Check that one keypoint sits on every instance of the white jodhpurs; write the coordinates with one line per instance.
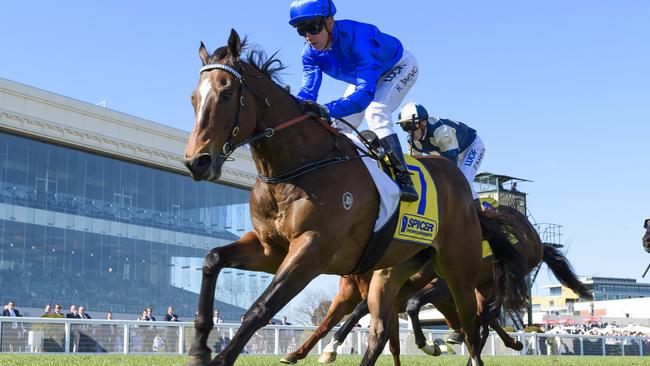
(469, 161)
(392, 88)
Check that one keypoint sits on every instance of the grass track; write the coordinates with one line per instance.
(118, 360)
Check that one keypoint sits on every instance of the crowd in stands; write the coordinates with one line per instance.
(34, 289)
(599, 329)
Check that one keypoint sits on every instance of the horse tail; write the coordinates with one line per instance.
(509, 271)
(564, 272)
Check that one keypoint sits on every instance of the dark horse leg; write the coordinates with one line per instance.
(508, 341)
(434, 292)
(347, 297)
(246, 253)
(293, 273)
(301, 265)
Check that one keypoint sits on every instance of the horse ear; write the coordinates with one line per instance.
(203, 54)
(234, 44)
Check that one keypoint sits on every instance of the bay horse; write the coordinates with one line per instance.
(302, 226)
(353, 289)
(646, 237)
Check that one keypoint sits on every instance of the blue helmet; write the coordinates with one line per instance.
(302, 10)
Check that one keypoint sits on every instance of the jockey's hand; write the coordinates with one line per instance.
(314, 109)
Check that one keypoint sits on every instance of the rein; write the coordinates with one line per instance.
(228, 147)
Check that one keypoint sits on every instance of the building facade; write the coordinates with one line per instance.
(96, 209)
(622, 298)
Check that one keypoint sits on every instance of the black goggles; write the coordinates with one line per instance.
(409, 126)
(312, 28)
(646, 224)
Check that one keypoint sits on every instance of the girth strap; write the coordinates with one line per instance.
(377, 246)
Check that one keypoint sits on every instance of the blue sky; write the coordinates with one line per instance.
(558, 90)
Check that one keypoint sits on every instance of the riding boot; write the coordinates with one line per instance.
(392, 149)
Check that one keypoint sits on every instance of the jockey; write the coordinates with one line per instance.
(454, 140)
(380, 73)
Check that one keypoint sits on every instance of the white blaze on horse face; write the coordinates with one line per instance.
(204, 89)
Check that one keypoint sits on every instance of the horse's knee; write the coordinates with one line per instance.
(203, 322)
(212, 262)
(413, 306)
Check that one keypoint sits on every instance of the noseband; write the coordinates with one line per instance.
(228, 147)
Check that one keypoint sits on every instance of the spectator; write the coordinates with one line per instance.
(144, 316)
(49, 314)
(10, 310)
(216, 319)
(150, 314)
(73, 314)
(83, 314)
(13, 334)
(284, 321)
(241, 318)
(109, 316)
(57, 311)
(170, 316)
(158, 344)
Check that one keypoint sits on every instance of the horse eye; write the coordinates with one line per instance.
(225, 96)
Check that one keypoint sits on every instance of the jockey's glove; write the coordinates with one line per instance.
(312, 108)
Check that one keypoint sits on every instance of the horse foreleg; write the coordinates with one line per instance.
(393, 343)
(434, 292)
(344, 301)
(303, 263)
(329, 353)
(505, 337)
(246, 253)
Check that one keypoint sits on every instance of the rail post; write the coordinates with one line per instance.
(66, 347)
(582, 346)
(181, 339)
(126, 339)
(493, 346)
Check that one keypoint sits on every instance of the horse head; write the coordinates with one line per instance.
(646, 237)
(222, 119)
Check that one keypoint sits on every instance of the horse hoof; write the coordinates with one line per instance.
(203, 360)
(289, 359)
(517, 346)
(327, 357)
(431, 350)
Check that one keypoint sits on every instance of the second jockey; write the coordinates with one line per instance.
(380, 73)
(454, 140)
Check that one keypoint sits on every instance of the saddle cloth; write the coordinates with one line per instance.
(417, 221)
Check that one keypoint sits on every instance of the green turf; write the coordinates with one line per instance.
(118, 360)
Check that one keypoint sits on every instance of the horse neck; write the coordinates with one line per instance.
(292, 147)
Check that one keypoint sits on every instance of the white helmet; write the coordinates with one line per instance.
(412, 112)
(410, 116)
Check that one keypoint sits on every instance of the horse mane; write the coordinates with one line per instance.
(270, 66)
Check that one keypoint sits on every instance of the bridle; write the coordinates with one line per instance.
(229, 147)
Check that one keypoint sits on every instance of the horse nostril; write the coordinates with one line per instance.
(201, 163)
